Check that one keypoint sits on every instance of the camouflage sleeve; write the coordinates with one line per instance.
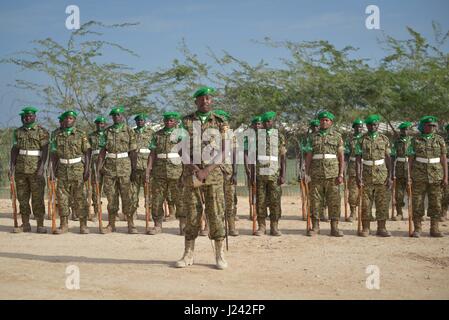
(394, 150)
(411, 149)
(44, 137)
(132, 140)
(347, 146)
(341, 145)
(53, 143)
(103, 140)
(153, 143)
(358, 147)
(307, 145)
(85, 145)
(387, 146)
(14, 138)
(443, 147)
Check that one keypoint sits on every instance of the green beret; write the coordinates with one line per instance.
(314, 123)
(140, 116)
(171, 115)
(117, 110)
(405, 125)
(447, 127)
(326, 114)
(68, 113)
(100, 119)
(203, 91)
(357, 122)
(256, 119)
(428, 119)
(223, 114)
(373, 118)
(27, 110)
(269, 115)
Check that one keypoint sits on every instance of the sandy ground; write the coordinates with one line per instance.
(122, 266)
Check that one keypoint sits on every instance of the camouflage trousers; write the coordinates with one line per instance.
(400, 192)
(174, 204)
(353, 193)
(434, 195)
(137, 185)
(214, 209)
(123, 187)
(30, 186)
(268, 195)
(72, 194)
(325, 191)
(160, 188)
(445, 202)
(379, 195)
(94, 192)
(230, 198)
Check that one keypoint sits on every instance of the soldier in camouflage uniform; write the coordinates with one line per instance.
(117, 165)
(270, 175)
(353, 191)
(165, 167)
(210, 174)
(374, 174)
(96, 139)
(428, 171)
(70, 156)
(324, 167)
(143, 138)
(445, 202)
(28, 156)
(400, 166)
(230, 181)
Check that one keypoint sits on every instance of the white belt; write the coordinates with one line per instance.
(428, 160)
(352, 159)
(324, 156)
(374, 163)
(70, 161)
(402, 159)
(144, 150)
(34, 153)
(168, 155)
(267, 158)
(117, 155)
(95, 152)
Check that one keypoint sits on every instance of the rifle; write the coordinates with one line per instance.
(303, 200)
(14, 203)
(359, 211)
(89, 197)
(53, 205)
(410, 203)
(167, 213)
(147, 205)
(98, 192)
(346, 195)
(253, 196)
(393, 198)
(306, 191)
(49, 196)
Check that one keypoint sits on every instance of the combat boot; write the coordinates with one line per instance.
(182, 226)
(434, 228)
(352, 215)
(157, 228)
(334, 229)
(315, 228)
(111, 225)
(399, 216)
(205, 231)
(40, 225)
(25, 227)
(324, 218)
(417, 228)
(187, 258)
(231, 224)
(64, 226)
(83, 226)
(365, 228)
(131, 228)
(382, 229)
(219, 255)
(74, 217)
(274, 231)
(262, 227)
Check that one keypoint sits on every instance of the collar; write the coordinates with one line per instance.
(118, 126)
(68, 131)
(203, 116)
(323, 132)
(140, 129)
(30, 126)
(373, 134)
(426, 135)
(168, 130)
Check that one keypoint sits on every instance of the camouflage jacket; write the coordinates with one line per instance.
(35, 139)
(143, 138)
(96, 140)
(269, 168)
(350, 144)
(427, 147)
(70, 146)
(399, 150)
(373, 147)
(118, 140)
(163, 142)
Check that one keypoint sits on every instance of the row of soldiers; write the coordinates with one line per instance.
(123, 159)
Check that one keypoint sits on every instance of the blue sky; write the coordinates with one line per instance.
(221, 25)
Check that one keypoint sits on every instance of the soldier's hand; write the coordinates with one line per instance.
(133, 176)
(445, 183)
(234, 180)
(359, 183)
(281, 180)
(339, 180)
(307, 178)
(40, 172)
(86, 175)
(389, 183)
(202, 174)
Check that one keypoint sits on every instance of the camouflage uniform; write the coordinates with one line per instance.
(374, 147)
(445, 202)
(353, 190)
(427, 177)
(96, 139)
(399, 152)
(325, 145)
(28, 184)
(70, 185)
(268, 191)
(143, 138)
(166, 172)
(212, 189)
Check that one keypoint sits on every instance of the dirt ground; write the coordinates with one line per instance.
(122, 266)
